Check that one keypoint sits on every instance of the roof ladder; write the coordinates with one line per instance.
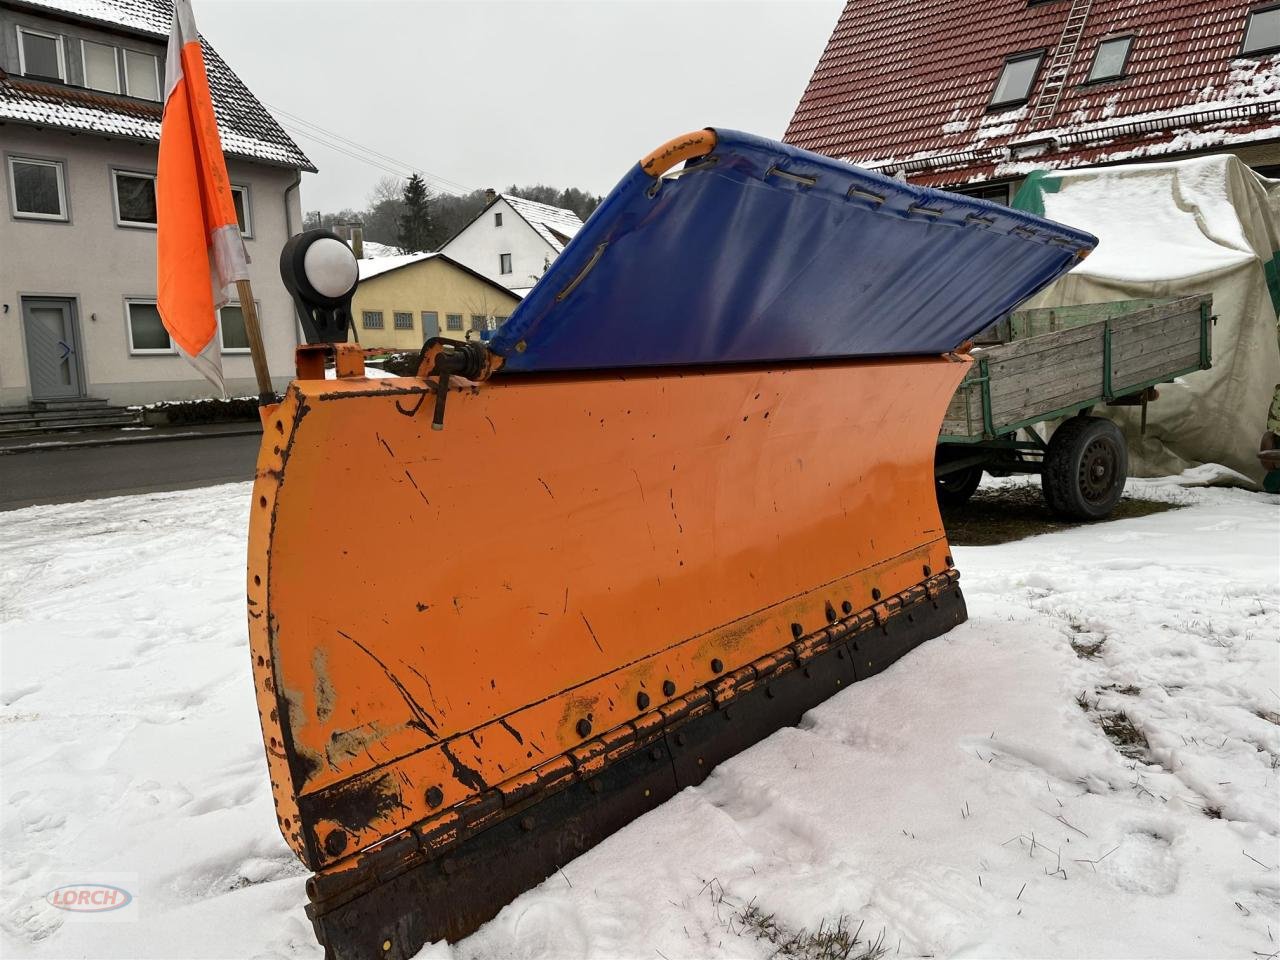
(1064, 54)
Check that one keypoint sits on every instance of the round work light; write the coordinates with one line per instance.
(330, 267)
(321, 273)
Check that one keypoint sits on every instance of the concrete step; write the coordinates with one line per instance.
(63, 425)
(69, 403)
(19, 416)
(50, 416)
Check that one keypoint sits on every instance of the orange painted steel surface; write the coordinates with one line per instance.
(564, 545)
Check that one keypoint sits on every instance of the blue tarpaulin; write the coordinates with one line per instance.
(764, 252)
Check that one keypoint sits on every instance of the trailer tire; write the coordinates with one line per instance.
(955, 489)
(1085, 468)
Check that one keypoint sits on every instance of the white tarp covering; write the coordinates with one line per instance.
(1206, 225)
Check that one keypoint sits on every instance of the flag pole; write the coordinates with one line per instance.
(253, 331)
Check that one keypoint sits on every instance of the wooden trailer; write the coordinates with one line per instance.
(1052, 363)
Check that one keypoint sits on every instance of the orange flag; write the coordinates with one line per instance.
(200, 252)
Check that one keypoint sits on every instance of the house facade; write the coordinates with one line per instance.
(512, 241)
(972, 95)
(401, 301)
(80, 108)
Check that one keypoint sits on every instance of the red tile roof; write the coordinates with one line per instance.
(910, 82)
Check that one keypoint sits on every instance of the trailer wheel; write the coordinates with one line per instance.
(957, 487)
(1084, 468)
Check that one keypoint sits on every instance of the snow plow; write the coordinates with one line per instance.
(684, 494)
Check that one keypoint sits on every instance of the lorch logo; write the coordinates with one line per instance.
(89, 897)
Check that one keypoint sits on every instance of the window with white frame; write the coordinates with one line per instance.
(146, 330)
(40, 55)
(402, 320)
(235, 338)
(478, 322)
(499, 321)
(240, 197)
(504, 263)
(453, 321)
(37, 189)
(135, 195)
(1262, 34)
(1016, 79)
(1110, 59)
(142, 75)
(371, 319)
(101, 72)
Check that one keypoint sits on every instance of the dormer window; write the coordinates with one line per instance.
(40, 55)
(141, 75)
(1016, 79)
(1262, 34)
(94, 65)
(100, 70)
(1110, 59)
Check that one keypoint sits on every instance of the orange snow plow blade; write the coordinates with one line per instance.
(494, 619)
(425, 668)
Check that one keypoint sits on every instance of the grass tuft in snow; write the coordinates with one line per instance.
(1128, 690)
(1087, 649)
(834, 941)
(1123, 733)
(1120, 730)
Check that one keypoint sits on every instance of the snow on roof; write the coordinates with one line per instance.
(246, 128)
(556, 225)
(907, 86)
(370, 268)
(373, 250)
(144, 16)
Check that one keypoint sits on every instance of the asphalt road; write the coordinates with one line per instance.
(90, 473)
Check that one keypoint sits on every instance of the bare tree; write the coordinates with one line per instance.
(384, 189)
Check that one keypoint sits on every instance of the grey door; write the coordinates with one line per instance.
(53, 359)
(430, 324)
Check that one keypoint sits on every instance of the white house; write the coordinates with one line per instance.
(513, 240)
(80, 91)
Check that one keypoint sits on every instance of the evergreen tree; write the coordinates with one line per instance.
(414, 235)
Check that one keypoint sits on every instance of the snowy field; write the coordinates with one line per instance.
(1089, 767)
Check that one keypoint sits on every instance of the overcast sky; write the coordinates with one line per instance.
(484, 94)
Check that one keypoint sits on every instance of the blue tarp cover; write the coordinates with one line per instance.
(763, 252)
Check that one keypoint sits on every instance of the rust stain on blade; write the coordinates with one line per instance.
(358, 804)
(323, 686)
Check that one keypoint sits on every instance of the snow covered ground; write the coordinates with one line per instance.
(1088, 767)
